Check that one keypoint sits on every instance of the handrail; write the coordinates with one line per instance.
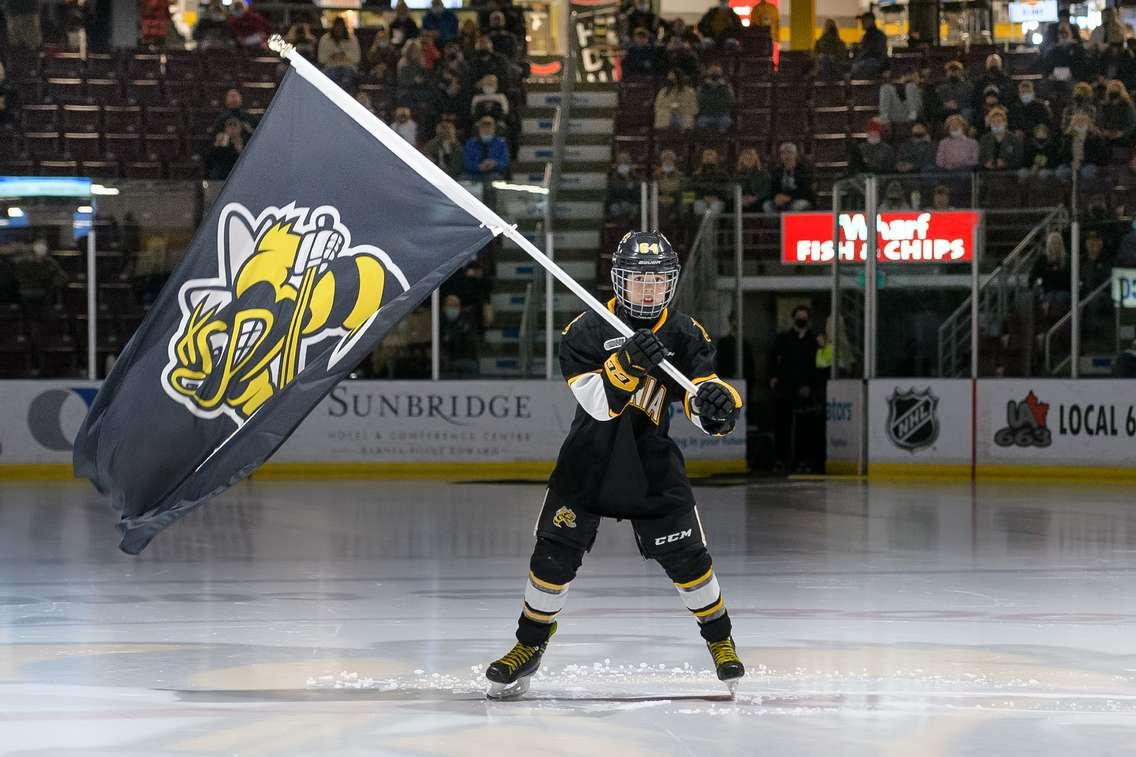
(523, 337)
(692, 257)
(1052, 370)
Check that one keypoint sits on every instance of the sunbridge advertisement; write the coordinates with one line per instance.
(902, 237)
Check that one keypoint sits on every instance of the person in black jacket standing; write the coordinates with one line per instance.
(619, 461)
(793, 375)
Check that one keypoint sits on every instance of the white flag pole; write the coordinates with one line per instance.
(408, 154)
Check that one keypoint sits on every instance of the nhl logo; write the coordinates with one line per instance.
(912, 421)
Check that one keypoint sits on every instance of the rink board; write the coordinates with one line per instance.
(445, 429)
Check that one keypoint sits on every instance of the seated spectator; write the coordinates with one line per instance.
(873, 155)
(676, 104)
(451, 101)
(8, 104)
(212, 30)
(467, 37)
(1116, 118)
(486, 154)
(715, 101)
(1042, 153)
(1117, 62)
(755, 181)
(1027, 112)
(990, 101)
(623, 188)
(1082, 103)
(233, 111)
(339, 55)
(413, 88)
(1110, 32)
(487, 61)
(1095, 268)
(430, 51)
(488, 101)
(956, 93)
(445, 151)
(404, 125)
(1052, 277)
(442, 21)
(453, 61)
(40, 277)
(671, 182)
(900, 103)
(641, 57)
(710, 183)
(459, 339)
(679, 56)
(931, 105)
(640, 16)
(720, 26)
(792, 187)
(995, 77)
(917, 153)
(999, 149)
(1084, 150)
(383, 58)
(941, 197)
(403, 27)
(225, 151)
(249, 28)
(894, 198)
(504, 42)
(1066, 60)
(871, 57)
(957, 151)
(831, 53)
(302, 36)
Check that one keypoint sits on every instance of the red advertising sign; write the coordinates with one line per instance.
(945, 236)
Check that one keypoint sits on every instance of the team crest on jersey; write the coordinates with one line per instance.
(564, 517)
(288, 279)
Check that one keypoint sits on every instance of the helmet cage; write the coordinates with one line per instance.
(622, 278)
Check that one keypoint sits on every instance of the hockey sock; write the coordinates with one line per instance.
(552, 568)
(703, 597)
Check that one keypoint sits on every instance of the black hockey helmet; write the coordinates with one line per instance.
(645, 257)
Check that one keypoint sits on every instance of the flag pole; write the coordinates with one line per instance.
(452, 189)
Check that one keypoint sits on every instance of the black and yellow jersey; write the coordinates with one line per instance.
(619, 459)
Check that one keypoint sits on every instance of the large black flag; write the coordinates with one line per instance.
(323, 238)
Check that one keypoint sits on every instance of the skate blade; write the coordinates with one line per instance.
(506, 691)
(732, 686)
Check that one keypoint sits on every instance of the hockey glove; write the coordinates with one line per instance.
(715, 408)
(641, 353)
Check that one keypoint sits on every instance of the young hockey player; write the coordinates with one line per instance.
(619, 461)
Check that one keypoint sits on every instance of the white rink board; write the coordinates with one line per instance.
(1088, 423)
(367, 422)
(844, 426)
(949, 444)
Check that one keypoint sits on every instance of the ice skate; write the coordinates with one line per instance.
(509, 676)
(727, 663)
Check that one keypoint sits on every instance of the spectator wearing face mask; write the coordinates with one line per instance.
(1027, 111)
(504, 41)
(442, 21)
(488, 101)
(248, 27)
(671, 181)
(1082, 103)
(459, 339)
(710, 183)
(1083, 150)
(957, 151)
(831, 53)
(871, 58)
(720, 26)
(451, 101)
(995, 77)
(900, 103)
(676, 104)
(917, 153)
(999, 149)
(1041, 154)
(623, 192)
(1065, 61)
(40, 277)
(894, 198)
(404, 125)
(640, 16)
(792, 186)
(641, 56)
(339, 55)
(486, 61)
(956, 93)
(486, 155)
(941, 197)
(715, 101)
(225, 151)
(793, 378)
(383, 58)
(873, 155)
(1116, 118)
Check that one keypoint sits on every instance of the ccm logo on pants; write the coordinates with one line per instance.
(673, 537)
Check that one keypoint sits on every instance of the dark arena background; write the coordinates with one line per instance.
(907, 229)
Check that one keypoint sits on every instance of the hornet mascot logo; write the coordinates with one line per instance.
(288, 280)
